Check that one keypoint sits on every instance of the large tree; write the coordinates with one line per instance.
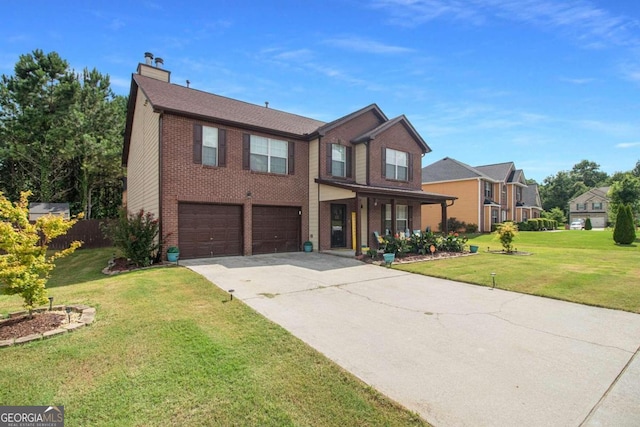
(589, 174)
(61, 135)
(625, 191)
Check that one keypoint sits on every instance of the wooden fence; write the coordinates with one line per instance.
(86, 230)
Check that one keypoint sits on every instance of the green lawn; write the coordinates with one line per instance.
(168, 348)
(574, 265)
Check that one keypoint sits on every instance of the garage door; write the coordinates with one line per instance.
(209, 230)
(275, 229)
(597, 222)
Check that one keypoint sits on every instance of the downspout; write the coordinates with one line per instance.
(160, 185)
(480, 205)
(319, 222)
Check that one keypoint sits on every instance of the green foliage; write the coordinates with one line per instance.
(61, 135)
(452, 242)
(555, 214)
(624, 232)
(454, 225)
(173, 250)
(25, 266)
(506, 233)
(471, 228)
(624, 191)
(587, 224)
(136, 235)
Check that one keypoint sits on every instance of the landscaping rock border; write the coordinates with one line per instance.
(86, 316)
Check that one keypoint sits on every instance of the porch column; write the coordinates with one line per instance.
(445, 228)
(358, 226)
(393, 217)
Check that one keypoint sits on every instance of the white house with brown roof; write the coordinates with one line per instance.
(226, 177)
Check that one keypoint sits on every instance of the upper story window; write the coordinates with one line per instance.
(518, 194)
(488, 190)
(581, 206)
(339, 160)
(262, 154)
(209, 145)
(596, 206)
(396, 165)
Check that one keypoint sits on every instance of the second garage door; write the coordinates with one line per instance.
(275, 229)
(206, 230)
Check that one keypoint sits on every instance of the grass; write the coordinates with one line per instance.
(168, 348)
(581, 266)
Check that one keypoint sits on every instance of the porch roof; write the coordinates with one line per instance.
(371, 191)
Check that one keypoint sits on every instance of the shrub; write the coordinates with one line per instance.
(136, 235)
(624, 232)
(453, 225)
(24, 265)
(471, 228)
(587, 224)
(506, 233)
(452, 242)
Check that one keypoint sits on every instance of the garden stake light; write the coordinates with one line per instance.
(493, 279)
(68, 310)
(50, 303)
(231, 291)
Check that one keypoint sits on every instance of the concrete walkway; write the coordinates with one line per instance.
(457, 354)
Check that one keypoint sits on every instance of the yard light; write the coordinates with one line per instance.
(231, 291)
(493, 280)
(68, 310)
(50, 303)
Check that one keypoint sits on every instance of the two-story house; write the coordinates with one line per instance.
(226, 177)
(486, 195)
(593, 204)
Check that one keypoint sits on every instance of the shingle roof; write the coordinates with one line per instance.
(499, 171)
(179, 99)
(530, 195)
(372, 107)
(449, 169)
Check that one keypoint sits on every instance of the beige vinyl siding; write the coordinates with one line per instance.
(314, 196)
(153, 72)
(142, 167)
(361, 164)
(332, 193)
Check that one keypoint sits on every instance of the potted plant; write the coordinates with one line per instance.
(173, 253)
(308, 246)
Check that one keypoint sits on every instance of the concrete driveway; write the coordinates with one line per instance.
(457, 354)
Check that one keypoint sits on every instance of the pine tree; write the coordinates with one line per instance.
(587, 224)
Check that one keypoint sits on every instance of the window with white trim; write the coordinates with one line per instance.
(488, 190)
(596, 206)
(338, 160)
(268, 155)
(209, 146)
(402, 219)
(581, 206)
(397, 165)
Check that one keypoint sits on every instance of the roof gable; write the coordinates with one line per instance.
(499, 171)
(398, 121)
(322, 130)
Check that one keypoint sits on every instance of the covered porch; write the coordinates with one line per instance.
(350, 213)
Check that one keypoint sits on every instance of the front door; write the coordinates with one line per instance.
(338, 226)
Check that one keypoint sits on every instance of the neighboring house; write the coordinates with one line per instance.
(592, 204)
(36, 210)
(226, 177)
(485, 194)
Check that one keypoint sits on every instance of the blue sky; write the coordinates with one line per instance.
(542, 83)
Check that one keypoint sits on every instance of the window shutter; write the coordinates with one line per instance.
(329, 158)
(197, 143)
(410, 219)
(410, 161)
(349, 161)
(383, 207)
(292, 157)
(384, 162)
(246, 151)
(222, 147)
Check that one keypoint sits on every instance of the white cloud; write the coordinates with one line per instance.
(365, 45)
(628, 145)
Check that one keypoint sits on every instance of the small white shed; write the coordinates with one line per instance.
(36, 210)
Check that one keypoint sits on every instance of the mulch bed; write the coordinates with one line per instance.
(416, 258)
(22, 326)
